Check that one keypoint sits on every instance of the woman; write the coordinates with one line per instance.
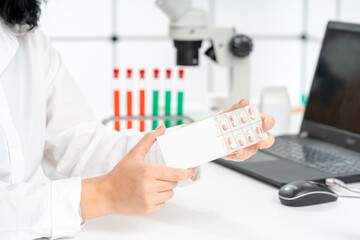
(45, 121)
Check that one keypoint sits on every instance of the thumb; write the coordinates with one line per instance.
(145, 143)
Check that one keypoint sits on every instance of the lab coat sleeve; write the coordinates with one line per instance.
(37, 210)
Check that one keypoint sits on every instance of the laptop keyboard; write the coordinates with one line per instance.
(316, 157)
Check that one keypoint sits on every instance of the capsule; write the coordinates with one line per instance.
(233, 120)
(252, 113)
(259, 132)
(231, 143)
(241, 139)
(224, 125)
(242, 117)
(250, 136)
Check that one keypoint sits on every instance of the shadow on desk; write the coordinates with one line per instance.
(182, 218)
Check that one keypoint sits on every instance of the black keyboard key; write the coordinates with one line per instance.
(325, 160)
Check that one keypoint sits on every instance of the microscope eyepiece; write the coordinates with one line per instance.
(187, 52)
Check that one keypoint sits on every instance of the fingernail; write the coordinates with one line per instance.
(160, 126)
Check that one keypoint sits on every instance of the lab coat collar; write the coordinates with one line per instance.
(8, 45)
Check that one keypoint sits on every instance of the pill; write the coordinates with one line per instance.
(259, 132)
(231, 143)
(252, 113)
(250, 136)
(233, 120)
(241, 139)
(242, 117)
(224, 125)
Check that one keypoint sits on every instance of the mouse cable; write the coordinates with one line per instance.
(337, 182)
(348, 196)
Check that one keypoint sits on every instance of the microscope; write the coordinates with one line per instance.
(188, 28)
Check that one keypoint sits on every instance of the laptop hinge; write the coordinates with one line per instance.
(304, 134)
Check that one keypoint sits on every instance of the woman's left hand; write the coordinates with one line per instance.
(245, 153)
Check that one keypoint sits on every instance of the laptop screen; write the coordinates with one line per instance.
(334, 98)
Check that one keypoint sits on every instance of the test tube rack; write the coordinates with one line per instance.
(168, 113)
(164, 118)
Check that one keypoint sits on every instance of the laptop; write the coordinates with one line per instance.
(328, 144)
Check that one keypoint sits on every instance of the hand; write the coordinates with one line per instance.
(132, 187)
(245, 153)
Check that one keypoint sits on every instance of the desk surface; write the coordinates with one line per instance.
(225, 204)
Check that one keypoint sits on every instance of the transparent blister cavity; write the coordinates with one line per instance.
(243, 117)
(223, 123)
(259, 131)
(231, 142)
(233, 119)
(253, 113)
(240, 138)
(249, 135)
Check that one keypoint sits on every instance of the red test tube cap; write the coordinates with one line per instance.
(156, 73)
(128, 73)
(116, 73)
(181, 73)
(142, 73)
(168, 73)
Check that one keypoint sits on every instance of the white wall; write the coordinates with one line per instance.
(81, 29)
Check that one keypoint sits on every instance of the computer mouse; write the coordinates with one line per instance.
(305, 193)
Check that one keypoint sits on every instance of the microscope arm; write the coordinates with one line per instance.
(190, 25)
(221, 38)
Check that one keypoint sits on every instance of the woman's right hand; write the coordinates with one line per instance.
(132, 187)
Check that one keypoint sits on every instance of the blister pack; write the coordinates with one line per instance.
(212, 138)
(240, 128)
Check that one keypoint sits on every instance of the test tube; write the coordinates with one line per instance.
(167, 86)
(155, 110)
(116, 99)
(180, 96)
(142, 98)
(129, 87)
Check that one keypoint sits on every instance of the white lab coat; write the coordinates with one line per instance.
(45, 121)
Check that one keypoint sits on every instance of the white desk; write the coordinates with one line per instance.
(225, 204)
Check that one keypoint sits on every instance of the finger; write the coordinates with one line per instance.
(159, 207)
(164, 196)
(161, 186)
(268, 121)
(242, 103)
(172, 174)
(154, 186)
(242, 154)
(268, 142)
(145, 143)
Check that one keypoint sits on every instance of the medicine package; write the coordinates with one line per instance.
(212, 138)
